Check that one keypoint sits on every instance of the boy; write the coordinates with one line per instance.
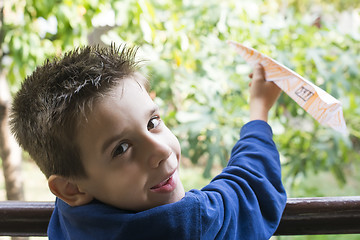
(89, 123)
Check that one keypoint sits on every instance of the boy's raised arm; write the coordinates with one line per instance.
(263, 94)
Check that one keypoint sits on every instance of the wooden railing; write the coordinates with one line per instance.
(302, 216)
(317, 216)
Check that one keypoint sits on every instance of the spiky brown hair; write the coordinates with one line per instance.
(53, 99)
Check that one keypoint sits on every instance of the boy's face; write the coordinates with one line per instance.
(130, 156)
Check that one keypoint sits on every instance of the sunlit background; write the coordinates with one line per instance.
(200, 83)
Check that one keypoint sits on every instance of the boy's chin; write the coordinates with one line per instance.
(180, 193)
(177, 195)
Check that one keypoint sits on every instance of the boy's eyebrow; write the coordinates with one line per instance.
(110, 140)
(154, 110)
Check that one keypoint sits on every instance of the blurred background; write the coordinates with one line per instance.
(200, 83)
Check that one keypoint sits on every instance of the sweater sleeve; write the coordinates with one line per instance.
(247, 199)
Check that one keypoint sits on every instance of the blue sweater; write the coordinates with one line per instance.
(245, 201)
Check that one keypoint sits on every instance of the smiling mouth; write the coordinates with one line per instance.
(163, 183)
(168, 185)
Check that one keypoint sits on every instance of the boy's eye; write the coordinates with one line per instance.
(153, 123)
(120, 149)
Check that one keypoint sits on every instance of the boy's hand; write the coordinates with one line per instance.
(263, 94)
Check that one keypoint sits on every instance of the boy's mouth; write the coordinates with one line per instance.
(168, 185)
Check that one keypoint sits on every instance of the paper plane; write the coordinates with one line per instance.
(326, 109)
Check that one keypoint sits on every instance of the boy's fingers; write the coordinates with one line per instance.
(259, 72)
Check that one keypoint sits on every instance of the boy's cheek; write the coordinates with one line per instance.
(174, 141)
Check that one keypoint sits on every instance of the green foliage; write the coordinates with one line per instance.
(200, 83)
(35, 30)
(321, 237)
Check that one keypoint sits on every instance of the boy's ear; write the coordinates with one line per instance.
(68, 191)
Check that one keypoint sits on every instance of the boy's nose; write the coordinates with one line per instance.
(156, 151)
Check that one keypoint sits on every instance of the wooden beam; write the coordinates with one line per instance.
(302, 216)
